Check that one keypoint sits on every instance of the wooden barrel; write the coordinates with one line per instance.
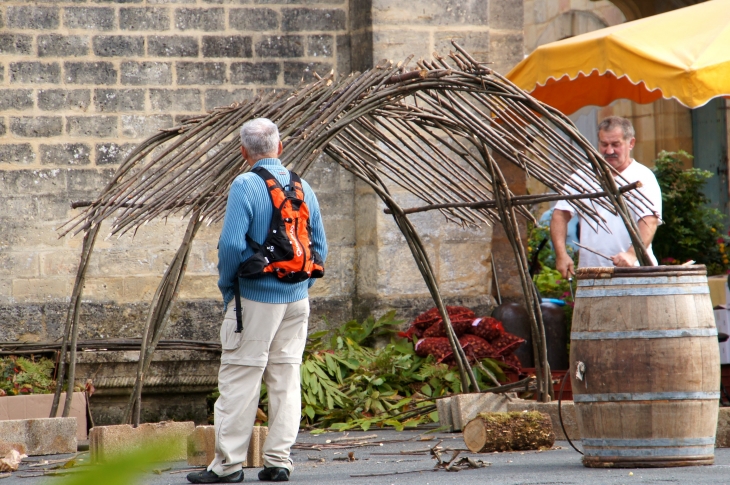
(647, 340)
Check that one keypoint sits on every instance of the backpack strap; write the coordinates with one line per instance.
(239, 308)
(271, 184)
(296, 183)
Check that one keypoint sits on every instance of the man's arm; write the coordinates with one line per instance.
(232, 242)
(558, 231)
(647, 229)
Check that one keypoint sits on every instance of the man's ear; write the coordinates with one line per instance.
(280, 148)
(632, 142)
(244, 153)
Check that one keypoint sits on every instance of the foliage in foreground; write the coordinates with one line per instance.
(19, 375)
(125, 468)
(691, 229)
(362, 375)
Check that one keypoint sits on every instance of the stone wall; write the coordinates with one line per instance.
(81, 82)
(549, 20)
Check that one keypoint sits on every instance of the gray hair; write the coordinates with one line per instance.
(260, 137)
(613, 122)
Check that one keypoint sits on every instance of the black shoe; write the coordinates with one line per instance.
(209, 477)
(274, 474)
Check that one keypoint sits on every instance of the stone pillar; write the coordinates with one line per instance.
(503, 256)
(387, 276)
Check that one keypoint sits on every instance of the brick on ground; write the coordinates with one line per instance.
(465, 407)
(107, 441)
(722, 440)
(443, 407)
(201, 446)
(43, 436)
(551, 409)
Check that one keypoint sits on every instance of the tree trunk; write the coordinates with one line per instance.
(509, 432)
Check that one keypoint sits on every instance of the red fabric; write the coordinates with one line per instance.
(488, 328)
(427, 319)
(512, 361)
(480, 338)
(477, 348)
(507, 343)
(439, 347)
(411, 332)
(460, 324)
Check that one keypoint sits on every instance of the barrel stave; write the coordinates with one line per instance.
(645, 365)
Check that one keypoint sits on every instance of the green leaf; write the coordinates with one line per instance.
(394, 423)
(426, 390)
(331, 364)
(402, 402)
(309, 411)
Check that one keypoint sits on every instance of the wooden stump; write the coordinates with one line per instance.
(509, 432)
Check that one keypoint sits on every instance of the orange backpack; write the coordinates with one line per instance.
(287, 251)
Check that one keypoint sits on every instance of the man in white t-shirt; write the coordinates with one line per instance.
(615, 141)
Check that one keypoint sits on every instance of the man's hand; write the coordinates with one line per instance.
(647, 229)
(564, 264)
(625, 259)
(558, 231)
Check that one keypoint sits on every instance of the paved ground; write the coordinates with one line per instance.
(561, 465)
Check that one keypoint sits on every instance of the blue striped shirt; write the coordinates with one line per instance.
(249, 211)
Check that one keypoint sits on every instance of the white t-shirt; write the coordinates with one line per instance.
(618, 240)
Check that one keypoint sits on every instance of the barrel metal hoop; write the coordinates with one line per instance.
(658, 280)
(638, 452)
(645, 334)
(592, 292)
(650, 442)
(646, 396)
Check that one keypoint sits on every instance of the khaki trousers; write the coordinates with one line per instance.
(270, 346)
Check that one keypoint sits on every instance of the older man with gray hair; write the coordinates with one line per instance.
(267, 337)
(616, 139)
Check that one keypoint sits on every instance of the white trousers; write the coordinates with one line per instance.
(270, 346)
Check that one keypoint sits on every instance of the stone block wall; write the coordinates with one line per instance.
(492, 31)
(83, 81)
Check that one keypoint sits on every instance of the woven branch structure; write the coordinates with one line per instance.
(440, 129)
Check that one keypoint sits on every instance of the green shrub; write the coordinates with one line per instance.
(19, 375)
(691, 229)
(349, 383)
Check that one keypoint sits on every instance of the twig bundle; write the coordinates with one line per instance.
(434, 130)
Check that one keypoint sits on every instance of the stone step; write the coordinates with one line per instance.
(201, 447)
(459, 409)
(42, 436)
(108, 441)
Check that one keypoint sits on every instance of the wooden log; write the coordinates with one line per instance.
(509, 432)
